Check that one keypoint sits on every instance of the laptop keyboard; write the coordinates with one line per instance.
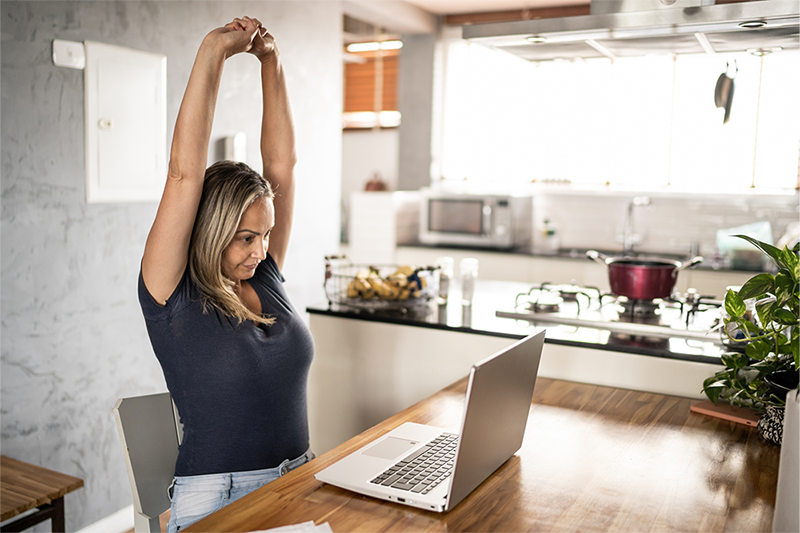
(423, 470)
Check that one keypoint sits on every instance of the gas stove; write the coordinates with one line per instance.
(648, 323)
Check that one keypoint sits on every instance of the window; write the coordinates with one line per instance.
(370, 89)
(645, 123)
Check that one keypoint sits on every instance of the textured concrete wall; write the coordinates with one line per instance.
(73, 339)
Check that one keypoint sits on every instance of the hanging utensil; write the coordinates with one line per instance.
(723, 93)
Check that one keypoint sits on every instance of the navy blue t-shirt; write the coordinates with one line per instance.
(240, 388)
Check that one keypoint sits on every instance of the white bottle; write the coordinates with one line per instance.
(445, 271)
(469, 272)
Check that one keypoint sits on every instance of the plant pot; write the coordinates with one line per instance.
(782, 381)
(770, 425)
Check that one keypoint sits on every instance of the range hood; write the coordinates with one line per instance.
(628, 28)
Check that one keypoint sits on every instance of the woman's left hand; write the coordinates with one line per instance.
(263, 43)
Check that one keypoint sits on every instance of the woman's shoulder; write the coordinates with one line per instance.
(268, 270)
(184, 293)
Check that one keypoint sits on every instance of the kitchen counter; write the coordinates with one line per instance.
(592, 459)
(480, 319)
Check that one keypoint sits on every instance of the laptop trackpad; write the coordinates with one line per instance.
(390, 448)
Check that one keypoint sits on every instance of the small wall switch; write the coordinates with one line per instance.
(236, 147)
(68, 54)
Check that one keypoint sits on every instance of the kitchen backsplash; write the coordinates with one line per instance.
(670, 224)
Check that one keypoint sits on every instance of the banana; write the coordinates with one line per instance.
(365, 290)
(405, 270)
(352, 289)
(403, 284)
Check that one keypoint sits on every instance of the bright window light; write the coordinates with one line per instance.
(369, 119)
(647, 123)
(374, 46)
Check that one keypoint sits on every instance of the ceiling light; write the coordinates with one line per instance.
(536, 39)
(374, 46)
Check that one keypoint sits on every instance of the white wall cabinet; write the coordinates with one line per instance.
(125, 124)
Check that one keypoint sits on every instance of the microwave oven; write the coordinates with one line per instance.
(475, 220)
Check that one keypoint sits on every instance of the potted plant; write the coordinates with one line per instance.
(760, 324)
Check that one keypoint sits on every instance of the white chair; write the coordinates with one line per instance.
(787, 500)
(150, 432)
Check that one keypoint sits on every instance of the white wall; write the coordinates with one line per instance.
(363, 154)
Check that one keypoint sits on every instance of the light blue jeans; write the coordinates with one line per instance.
(195, 497)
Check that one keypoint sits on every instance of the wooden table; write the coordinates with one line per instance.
(25, 486)
(593, 459)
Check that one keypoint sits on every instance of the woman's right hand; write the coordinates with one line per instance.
(235, 37)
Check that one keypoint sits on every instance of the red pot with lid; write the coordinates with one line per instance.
(642, 279)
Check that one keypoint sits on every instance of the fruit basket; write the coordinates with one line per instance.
(377, 287)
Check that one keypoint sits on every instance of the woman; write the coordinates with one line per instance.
(235, 354)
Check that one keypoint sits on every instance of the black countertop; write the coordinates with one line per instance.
(480, 319)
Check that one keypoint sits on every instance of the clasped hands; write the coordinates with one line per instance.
(244, 35)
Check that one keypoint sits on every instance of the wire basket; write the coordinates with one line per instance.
(377, 287)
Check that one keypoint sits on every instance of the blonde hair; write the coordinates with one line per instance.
(228, 190)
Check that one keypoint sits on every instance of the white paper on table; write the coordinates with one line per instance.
(305, 527)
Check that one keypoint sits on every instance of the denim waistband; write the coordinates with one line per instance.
(230, 481)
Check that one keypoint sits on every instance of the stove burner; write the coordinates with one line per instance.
(641, 311)
(546, 303)
(547, 297)
(644, 323)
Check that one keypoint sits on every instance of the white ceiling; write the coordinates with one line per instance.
(419, 16)
(451, 7)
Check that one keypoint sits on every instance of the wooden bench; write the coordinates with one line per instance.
(25, 486)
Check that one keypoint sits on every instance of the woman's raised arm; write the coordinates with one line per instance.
(167, 249)
(277, 142)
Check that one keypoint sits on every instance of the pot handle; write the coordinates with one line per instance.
(594, 255)
(696, 260)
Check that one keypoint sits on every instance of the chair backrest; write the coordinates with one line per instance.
(787, 500)
(150, 432)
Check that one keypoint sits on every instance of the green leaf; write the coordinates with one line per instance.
(785, 317)
(734, 305)
(758, 350)
(734, 360)
(785, 287)
(757, 286)
(713, 392)
(750, 327)
(789, 261)
(796, 347)
(765, 312)
(785, 349)
(768, 249)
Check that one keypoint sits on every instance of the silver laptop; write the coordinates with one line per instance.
(429, 468)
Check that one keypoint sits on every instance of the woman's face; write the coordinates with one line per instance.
(251, 241)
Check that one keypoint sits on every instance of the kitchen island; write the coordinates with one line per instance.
(593, 459)
(371, 365)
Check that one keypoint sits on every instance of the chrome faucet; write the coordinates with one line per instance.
(629, 238)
